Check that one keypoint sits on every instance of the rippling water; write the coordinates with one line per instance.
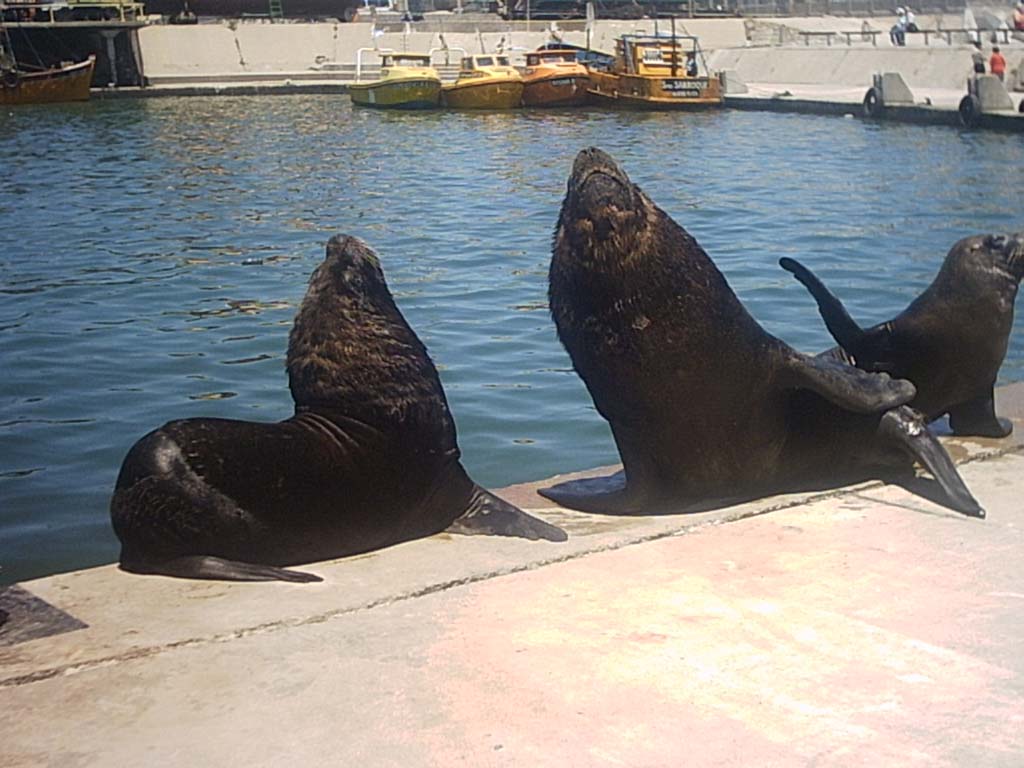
(153, 252)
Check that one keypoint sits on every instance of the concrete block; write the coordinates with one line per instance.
(892, 89)
(732, 82)
(992, 94)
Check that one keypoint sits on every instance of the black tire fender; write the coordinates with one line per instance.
(10, 79)
(969, 110)
(873, 106)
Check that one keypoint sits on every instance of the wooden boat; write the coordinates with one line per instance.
(407, 81)
(655, 72)
(486, 81)
(67, 82)
(554, 78)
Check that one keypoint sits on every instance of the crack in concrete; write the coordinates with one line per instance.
(443, 586)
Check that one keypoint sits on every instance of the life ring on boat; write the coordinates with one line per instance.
(873, 106)
(969, 110)
(10, 79)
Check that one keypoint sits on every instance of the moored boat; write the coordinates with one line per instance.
(486, 81)
(66, 82)
(407, 81)
(554, 78)
(655, 72)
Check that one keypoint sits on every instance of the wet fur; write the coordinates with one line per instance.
(701, 400)
(369, 459)
(951, 340)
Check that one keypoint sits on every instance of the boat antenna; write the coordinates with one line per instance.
(675, 49)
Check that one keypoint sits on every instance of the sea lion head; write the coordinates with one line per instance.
(985, 260)
(349, 341)
(604, 215)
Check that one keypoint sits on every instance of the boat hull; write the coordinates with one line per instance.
(417, 93)
(646, 92)
(555, 91)
(49, 86)
(505, 94)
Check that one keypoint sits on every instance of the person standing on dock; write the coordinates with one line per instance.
(1018, 17)
(978, 58)
(997, 63)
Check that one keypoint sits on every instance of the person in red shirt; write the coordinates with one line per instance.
(996, 63)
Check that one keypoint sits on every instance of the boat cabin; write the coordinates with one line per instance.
(539, 58)
(657, 56)
(484, 61)
(418, 60)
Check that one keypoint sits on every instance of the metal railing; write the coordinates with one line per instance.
(70, 10)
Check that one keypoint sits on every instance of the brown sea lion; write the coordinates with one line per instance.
(952, 338)
(702, 402)
(369, 459)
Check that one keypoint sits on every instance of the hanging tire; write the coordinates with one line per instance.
(970, 111)
(1020, 107)
(10, 79)
(873, 106)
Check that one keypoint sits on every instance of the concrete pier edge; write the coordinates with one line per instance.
(96, 625)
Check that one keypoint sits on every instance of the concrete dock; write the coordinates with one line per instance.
(865, 625)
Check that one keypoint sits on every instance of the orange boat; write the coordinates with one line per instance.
(554, 78)
(68, 82)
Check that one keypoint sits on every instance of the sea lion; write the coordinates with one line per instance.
(702, 402)
(369, 459)
(952, 338)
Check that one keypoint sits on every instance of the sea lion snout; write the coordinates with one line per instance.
(600, 196)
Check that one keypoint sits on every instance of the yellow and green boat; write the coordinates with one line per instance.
(407, 81)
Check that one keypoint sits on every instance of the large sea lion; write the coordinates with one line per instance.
(702, 402)
(952, 338)
(369, 458)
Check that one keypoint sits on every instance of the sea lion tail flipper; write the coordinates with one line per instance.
(848, 387)
(843, 328)
(609, 495)
(906, 428)
(217, 568)
(488, 515)
(978, 417)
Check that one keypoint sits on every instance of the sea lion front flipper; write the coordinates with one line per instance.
(978, 417)
(842, 384)
(488, 515)
(905, 429)
(608, 495)
(217, 568)
(843, 328)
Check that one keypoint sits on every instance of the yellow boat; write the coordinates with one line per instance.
(407, 81)
(654, 72)
(486, 81)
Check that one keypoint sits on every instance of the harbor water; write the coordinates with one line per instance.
(153, 254)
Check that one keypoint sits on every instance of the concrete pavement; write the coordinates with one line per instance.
(858, 626)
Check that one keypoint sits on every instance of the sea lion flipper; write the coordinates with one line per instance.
(844, 385)
(488, 515)
(905, 428)
(217, 568)
(608, 495)
(844, 329)
(978, 417)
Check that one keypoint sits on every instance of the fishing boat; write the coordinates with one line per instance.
(554, 78)
(656, 72)
(486, 81)
(407, 81)
(25, 84)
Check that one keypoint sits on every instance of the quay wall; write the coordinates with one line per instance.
(946, 67)
(254, 50)
(237, 48)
